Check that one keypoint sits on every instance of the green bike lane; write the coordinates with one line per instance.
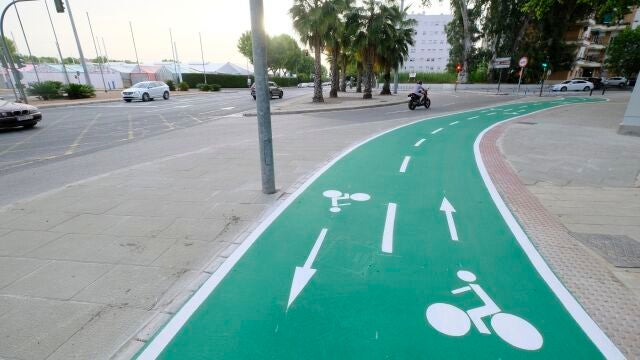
(397, 250)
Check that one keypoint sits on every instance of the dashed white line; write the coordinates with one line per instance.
(228, 108)
(419, 142)
(508, 109)
(455, 122)
(405, 163)
(75, 144)
(493, 113)
(473, 117)
(387, 235)
(436, 131)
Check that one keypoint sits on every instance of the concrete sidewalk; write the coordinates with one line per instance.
(93, 270)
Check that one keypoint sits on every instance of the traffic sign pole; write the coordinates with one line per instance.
(523, 63)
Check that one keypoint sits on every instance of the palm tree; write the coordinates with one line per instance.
(312, 19)
(394, 44)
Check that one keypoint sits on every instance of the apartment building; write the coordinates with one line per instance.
(431, 50)
(592, 39)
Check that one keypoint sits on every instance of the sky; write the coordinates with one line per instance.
(220, 22)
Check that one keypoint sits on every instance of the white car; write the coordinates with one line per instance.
(620, 81)
(573, 85)
(146, 90)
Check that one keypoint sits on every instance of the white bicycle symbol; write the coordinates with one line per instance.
(336, 195)
(453, 321)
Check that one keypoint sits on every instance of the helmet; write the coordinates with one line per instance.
(420, 82)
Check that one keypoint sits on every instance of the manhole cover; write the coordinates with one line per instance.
(620, 250)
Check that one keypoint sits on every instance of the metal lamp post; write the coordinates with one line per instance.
(16, 73)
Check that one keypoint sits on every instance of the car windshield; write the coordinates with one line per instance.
(566, 82)
(141, 85)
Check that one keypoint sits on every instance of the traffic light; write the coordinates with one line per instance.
(458, 68)
(59, 5)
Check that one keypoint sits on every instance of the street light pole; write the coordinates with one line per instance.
(173, 53)
(27, 43)
(75, 33)
(204, 71)
(104, 84)
(134, 45)
(175, 46)
(395, 74)
(16, 73)
(55, 36)
(262, 97)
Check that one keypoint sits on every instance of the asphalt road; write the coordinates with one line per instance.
(76, 143)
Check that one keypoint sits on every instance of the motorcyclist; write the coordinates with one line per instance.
(420, 91)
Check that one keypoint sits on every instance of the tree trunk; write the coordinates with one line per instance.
(368, 75)
(335, 74)
(521, 32)
(359, 81)
(386, 88)
(317, 76)
(466, 38)
(343, 65)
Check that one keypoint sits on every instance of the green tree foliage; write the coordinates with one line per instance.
(394, 44)
(283, 52)
(623, 53)
(71, 60)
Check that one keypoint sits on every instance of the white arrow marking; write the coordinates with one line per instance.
(405, 163)
(387, 235)
(449, 210)
(303, 274)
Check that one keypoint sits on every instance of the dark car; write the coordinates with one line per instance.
(597, 82)
(632, 82)
(274, 90)
(16, 115)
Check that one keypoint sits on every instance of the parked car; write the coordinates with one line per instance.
(597, 82)
(573, 85)
(146, 90)
(620, 81)
(274, 90)
(326, 83)
(18, 115)
(305, 85)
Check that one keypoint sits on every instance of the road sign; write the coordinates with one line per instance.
(523, 61)
(366, 261)
(502, 63)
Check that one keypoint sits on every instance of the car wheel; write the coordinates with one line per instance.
(165, 95)
(280, 96)
(621, 85)
(564, 88)
(145, 97)
(30, 126)
(586, 88)
(127, 100)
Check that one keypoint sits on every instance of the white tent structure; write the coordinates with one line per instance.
(55, 72)
(227, 68)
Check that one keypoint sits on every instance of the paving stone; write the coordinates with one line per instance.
(131, 286)
(103, 335)
(39, 327)
(88, 224)
(160, 208)
(20, 242)
(620, 250)
(57, 280)
(104, 249)
(140, 226)
(95, 206)
(195, 229)
(35, 220)
(12, 269)
(189, 254)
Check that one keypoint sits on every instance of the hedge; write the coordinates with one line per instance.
(233, 81)
(430, 78)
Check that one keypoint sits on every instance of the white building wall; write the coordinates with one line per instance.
(431, 50)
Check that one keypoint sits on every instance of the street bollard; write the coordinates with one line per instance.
(591, 92)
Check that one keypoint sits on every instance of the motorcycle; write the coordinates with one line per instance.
(416, 100)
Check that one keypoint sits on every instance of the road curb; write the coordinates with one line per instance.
(101, 101)
(305, 111)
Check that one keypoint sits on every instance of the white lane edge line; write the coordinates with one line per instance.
(171, 328)
(405, 163)
(593, 331)
(419, 142)
(389, 224)
(436, 131)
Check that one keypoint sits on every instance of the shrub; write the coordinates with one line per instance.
(215, 87)
(225, 81)
(79, 91)
(183, 86)
(171, 85)
(45, 90)
(204, 87)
